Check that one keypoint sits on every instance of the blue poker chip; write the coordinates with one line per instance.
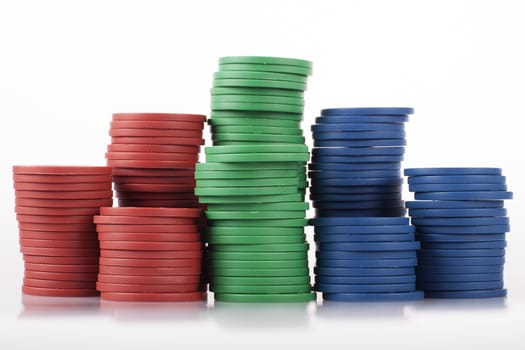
(457, 286)
(368, 111)
(464, 245)
(473, 294)
(367, 263)
(356, 197)
(359, 143)
(359, 135)
(372, 246)
(358, 151)
(356, 189)
(364, 229)
(361, 118)
(471, 221)
(465, 195)
(457, 238)
(465, 277)
(493, 260)
(456, 187)
(357, 127)
(359, 204)
(354, 166)
(453, 204)
(365, 288)
(354, 174)
(451, 171)
(461, 230)
(365, 279)
(359, 221)
(461, 253)
(331, 255)
(457, 212)
(448, 269)
(373, 181)
(458, 179)
(374, 297)
(356, 159)
(356, 238)
(386, 212)
(364, 272)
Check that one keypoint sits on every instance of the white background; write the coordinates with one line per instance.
(65, 66)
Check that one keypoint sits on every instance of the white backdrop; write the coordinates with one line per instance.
(65, 66)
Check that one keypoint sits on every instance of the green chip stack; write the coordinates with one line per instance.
(254, 181)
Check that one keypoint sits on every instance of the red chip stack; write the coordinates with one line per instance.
(150, 254)
(153, 156)
(54, 209)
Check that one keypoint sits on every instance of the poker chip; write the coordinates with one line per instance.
(340, 255)
(366, 263)
(451, 171)
(454, 278)
(59, 292)
(253, 230)
(368, 111)
(374, 297)
(464, 229)
(194, 269)
(461, 238)
(364, 280)
(360, 143)
(60, 276)
(456, 187)
(470, 221)
(431, 204)
(281, 289)
(457, 179)
(363, 272)
(460, 286)
(256, 264)
(363, 238)
(458, 212)
(465, 195)
(464, 245)
(365, 288)
(352, 229)
(333, 127)
(252, 239)
(145, 288)
(460, 253)
(154, 297)
(265, 298)
(488, 293)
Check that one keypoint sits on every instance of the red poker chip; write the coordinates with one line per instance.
(173, 246)
(43, 243)
(155, 140)
(150, 237)
(59, 292)
(162, 188)
(142, 220)
(146, 288)
(183, 117)
(64, 194)
(56, 211)
(168, 180)
(61, 276)
(64, 203)
(63, 269)
(187, 228)
(151, 280)
(72, 252)
(192, 133)
(150, 262)
(144, 148)
(61, 179)
(154, 297)
(154, 212)
(150, 164)
(74, 261)
(59, 187)
(150, 271)
(58, 236)
(156, 195)
(155, 172)
(60, 170)
(180, 157)
(162, 125)
(27, 226)
(150, 254)
(175, 203)
(54, 219)
(38, 283)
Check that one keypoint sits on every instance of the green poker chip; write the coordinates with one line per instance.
(266, 60)
(261, 223)
(217, 91)
(257, 130)
(248, 272)
(260, 83)
(257, 99)
(291, 247)
(265, 298)
(254, 215)
(267, 138)
(272, 148)
(254, 231)
(295, 197)
(259, 281)
(223, 239)
(248, 166)
(245, 174)
(258, 157)
(290, 206)
(290, 288)
(258, 264)
(258, 256)
(259, 122)
(256, 115)
(240, 191)
(286, 181)
(257, 106)
(260, 76)
(277, 68)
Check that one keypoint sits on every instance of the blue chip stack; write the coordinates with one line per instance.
(356, 162)
(366, 259)
(461, 224)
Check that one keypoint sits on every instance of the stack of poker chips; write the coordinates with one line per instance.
(253, 181)
(356, 162)
(461, 224)
(150, 254)
(153, 156)
(366, 259)
(54, 208)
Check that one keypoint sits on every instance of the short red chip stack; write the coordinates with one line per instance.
(150, 254)
(153, 156)
(54, 208)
